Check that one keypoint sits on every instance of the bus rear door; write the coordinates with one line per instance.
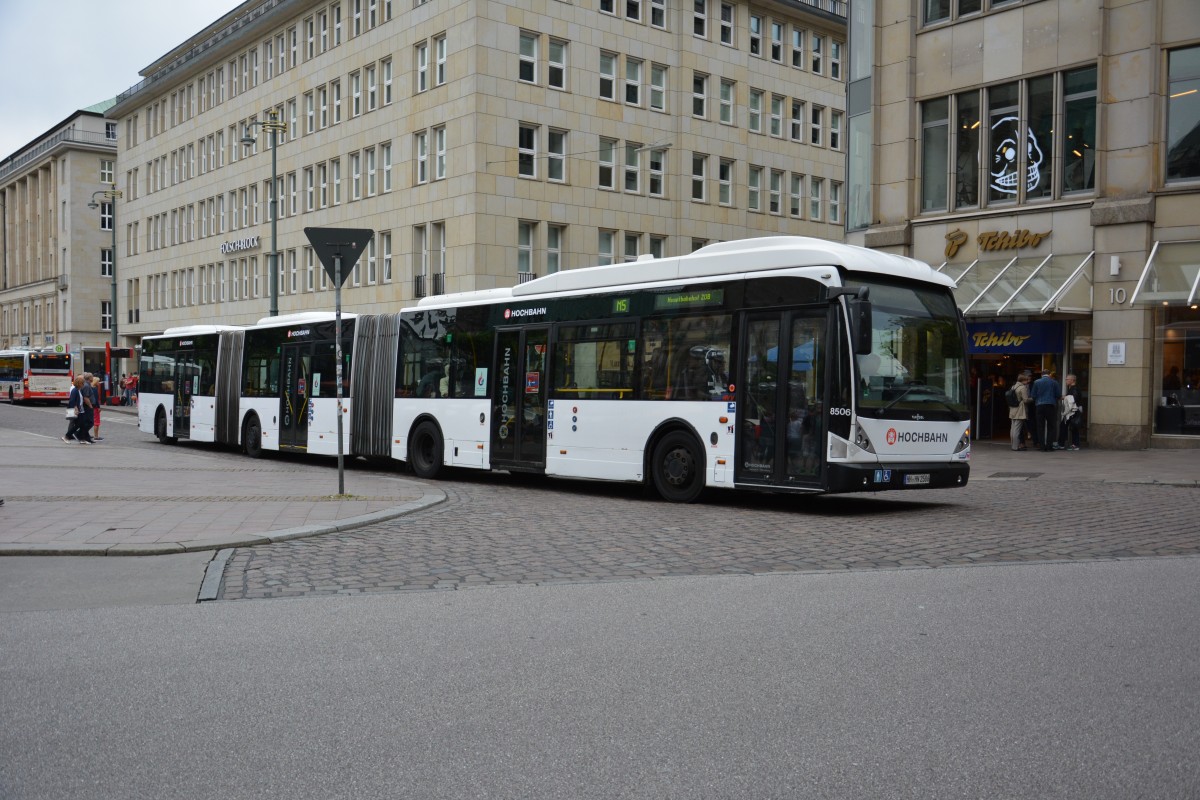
(781, 399)
(519, 399)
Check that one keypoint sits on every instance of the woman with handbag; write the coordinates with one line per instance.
(1072, 415)
(79, 412)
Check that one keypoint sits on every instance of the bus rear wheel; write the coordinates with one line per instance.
(426, 451)
(252, 437)
(160, 428)
(677, 468)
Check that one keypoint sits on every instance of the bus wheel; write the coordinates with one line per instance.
(160, 428)
(677, 468)
(426, 451)
(252, 437)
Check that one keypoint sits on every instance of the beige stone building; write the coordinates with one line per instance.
(1047, 153)
(484, 143)
(57, 252)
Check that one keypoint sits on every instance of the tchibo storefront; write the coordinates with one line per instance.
(1046, 156)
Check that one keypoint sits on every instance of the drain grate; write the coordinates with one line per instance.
(1015, 475)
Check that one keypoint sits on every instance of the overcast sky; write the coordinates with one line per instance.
(58, 57)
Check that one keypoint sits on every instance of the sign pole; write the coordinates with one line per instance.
(337, 350)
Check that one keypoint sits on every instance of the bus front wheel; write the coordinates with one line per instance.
(426, 451)
(252, 437)
(677, 468)
(160, 428)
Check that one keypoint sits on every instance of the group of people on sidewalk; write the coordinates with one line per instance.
(1052, 415)
(83, 411)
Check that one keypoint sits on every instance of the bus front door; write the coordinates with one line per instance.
(296, 369)
(519, 399)
(781, 400)
(187, 383)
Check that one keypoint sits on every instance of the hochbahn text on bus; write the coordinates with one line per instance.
(783, 364)
(42, 376)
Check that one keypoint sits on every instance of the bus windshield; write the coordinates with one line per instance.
(917, 359)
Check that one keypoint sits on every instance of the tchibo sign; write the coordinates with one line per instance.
(249, 243)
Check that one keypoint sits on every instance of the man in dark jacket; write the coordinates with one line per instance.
(1072, 415)
(1045, 394)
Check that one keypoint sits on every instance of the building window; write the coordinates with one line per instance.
(556, 76)
(835, 60)
(633, 167)
(369, 157)
(727, 24)
(527, 151)
(935, 128)
(439, 152)
(527, 67)
(726, 102)
(816, 131)
(422, 56)
(385, 68)
(815, 190)
(372, 89)
(725, 182)
(817, 51)
(775, 192)
(777, 102)
(633, 10)
(798, 35)
(106, 170)
(700, 95)
(699, 177)
(633, 246)
(658, 13)
(385, 158)
(633, 81)
(1079, 151)
(385, 247)
(525, 247)
(1004, 142)
(835, 130)
(658, 87)
(106, 216)
(555, 235)
(700, 18)
(110, 131)
(607, 160)
(753, 200)
(658, 171)
(756, 102)
(106, 262)
(421, 153)
(608, 76)
(835, 201)
(439, 72)
(777, 42)
(106, 315)
(756, 29)
(796, 196)
(556, 156)
(604, 247)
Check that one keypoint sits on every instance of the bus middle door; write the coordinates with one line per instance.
(519, 399)
(781, 403)
(294, 391)
(187, 379)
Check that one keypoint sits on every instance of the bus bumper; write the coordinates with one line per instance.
(915, 475)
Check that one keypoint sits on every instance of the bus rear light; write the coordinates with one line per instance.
(723, 420)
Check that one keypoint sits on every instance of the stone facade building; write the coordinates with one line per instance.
(57, 252)
(484, 142)
(1046, 153)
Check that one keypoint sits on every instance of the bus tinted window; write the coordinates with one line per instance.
(260, 376)
(595, 362)
(50, 363)
(11, 368)
(686, 357)
(157, 372)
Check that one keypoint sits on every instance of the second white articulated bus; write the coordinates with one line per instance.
(776, 364)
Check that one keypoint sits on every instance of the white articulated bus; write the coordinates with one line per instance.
(777, 364)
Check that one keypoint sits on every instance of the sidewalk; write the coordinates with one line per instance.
(122, 500)
(135, 500)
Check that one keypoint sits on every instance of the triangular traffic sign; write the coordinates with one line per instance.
(329, 243)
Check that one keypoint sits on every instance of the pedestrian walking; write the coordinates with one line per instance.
(1072, 415)
(80, 427)
(1045, 394)
(1018, 415)
(94, 384)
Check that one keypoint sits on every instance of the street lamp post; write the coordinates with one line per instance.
(111, 196)
(275, 126)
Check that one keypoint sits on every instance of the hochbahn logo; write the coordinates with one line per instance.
(910, 437)
(510, 313)
(303, 332)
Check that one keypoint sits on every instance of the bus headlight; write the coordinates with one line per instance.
(964, 441)
(862, 441)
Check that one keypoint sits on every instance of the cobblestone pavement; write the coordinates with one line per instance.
(498, 530)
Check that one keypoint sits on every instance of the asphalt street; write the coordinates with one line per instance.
(1034, 635)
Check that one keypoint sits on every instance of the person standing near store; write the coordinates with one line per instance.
(1045, 399)
(81, 424)
(1018, 415)
(1072, 415)
(93, 384)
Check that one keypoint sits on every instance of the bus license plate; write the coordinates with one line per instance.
(919, 479)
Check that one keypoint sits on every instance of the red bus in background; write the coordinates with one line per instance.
(35, 375)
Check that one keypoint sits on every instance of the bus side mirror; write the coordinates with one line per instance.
(860, 326)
